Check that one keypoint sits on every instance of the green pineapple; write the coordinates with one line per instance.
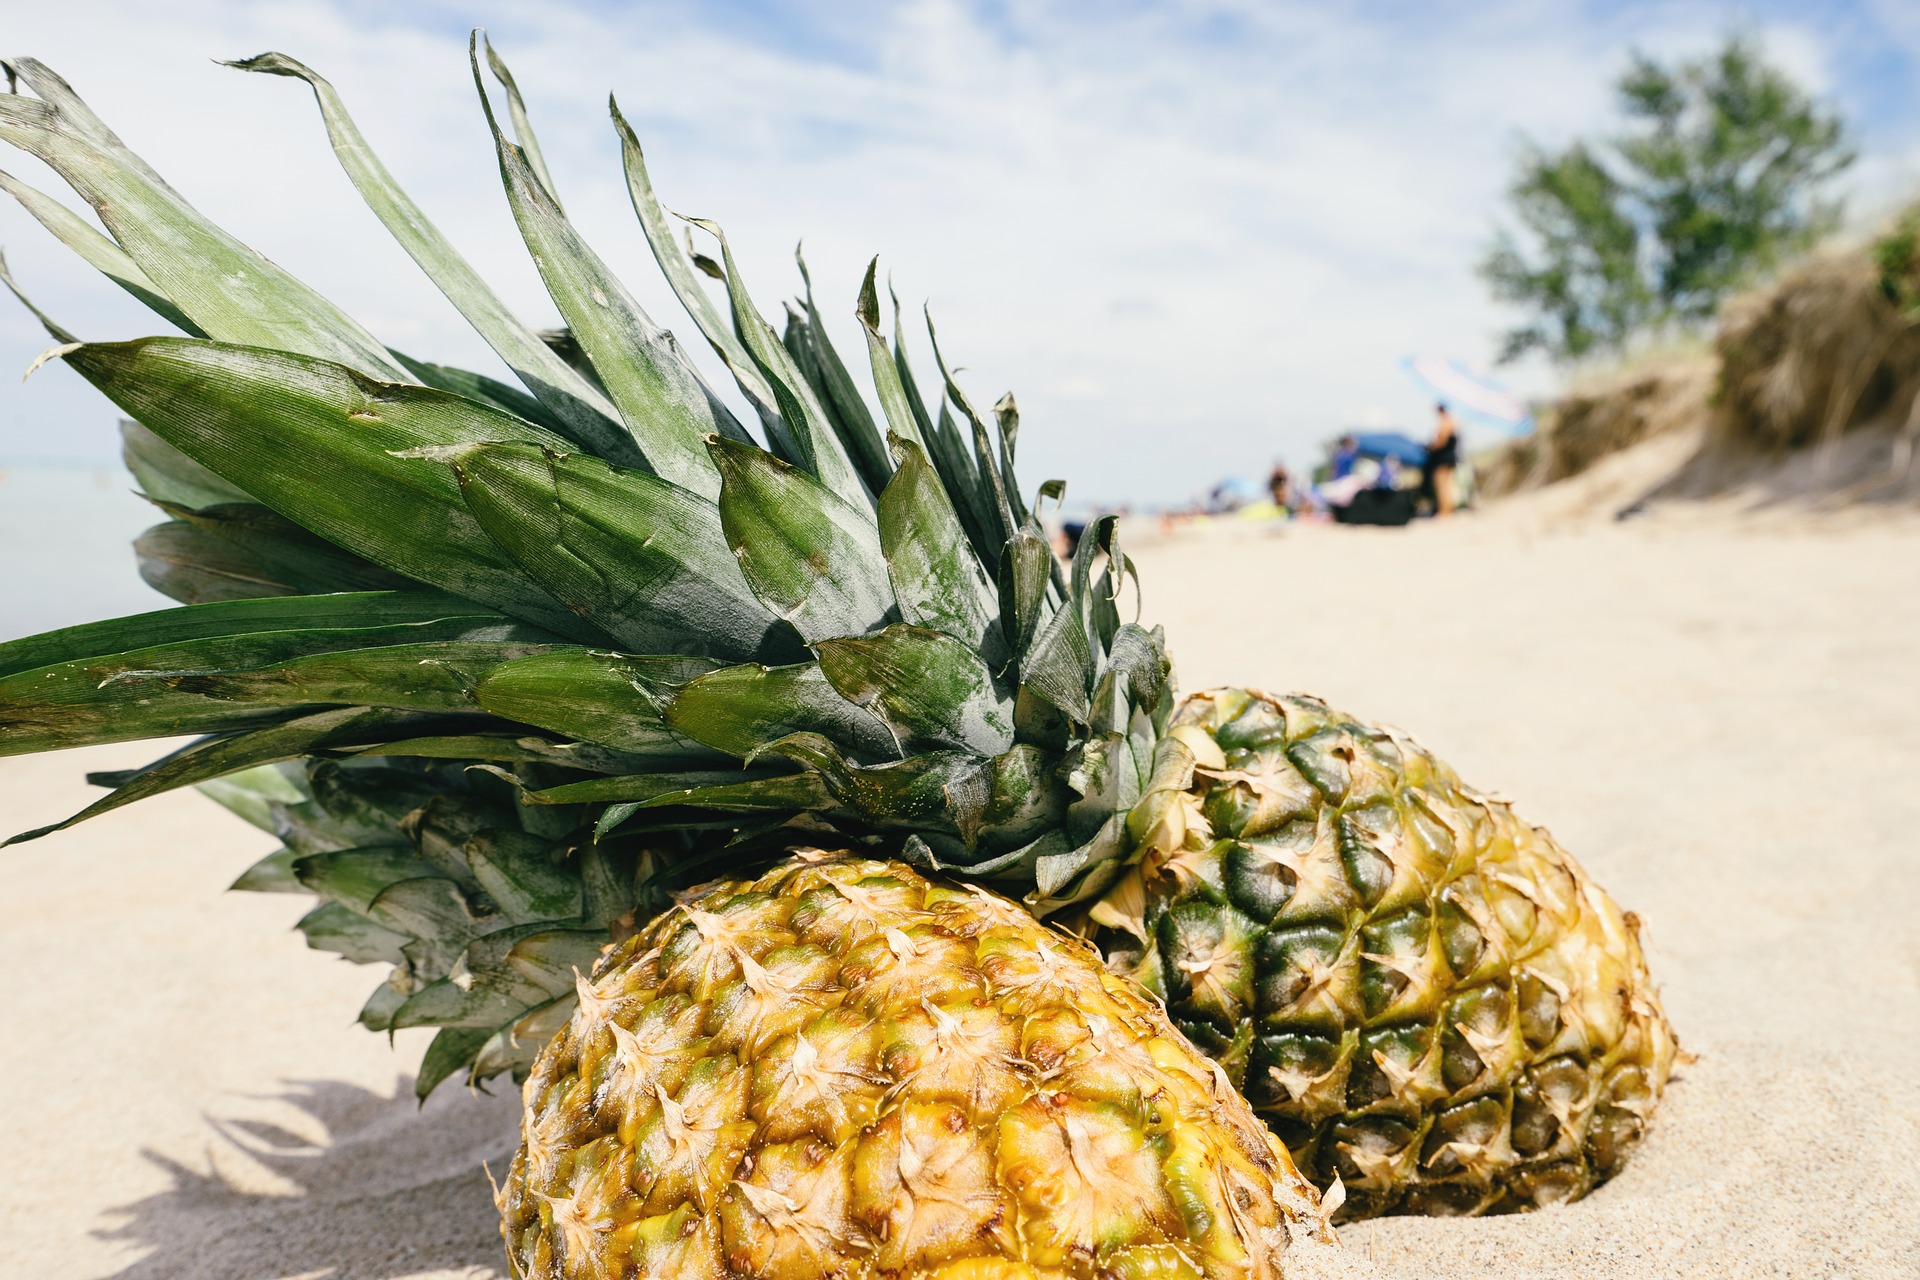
(1423, 995)
(507, 669)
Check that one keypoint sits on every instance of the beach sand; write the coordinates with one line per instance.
(1719, 713)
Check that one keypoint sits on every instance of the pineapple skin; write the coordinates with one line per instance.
(845, 1069)
(1421, 994)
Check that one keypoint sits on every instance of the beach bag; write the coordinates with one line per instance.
(1377, 506)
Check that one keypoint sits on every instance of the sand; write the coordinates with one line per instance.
(1719, 713)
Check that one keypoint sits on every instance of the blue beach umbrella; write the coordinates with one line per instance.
(1470, 392)
(1390, 444)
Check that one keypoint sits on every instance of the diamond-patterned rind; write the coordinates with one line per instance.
(1419, 992)
(845, 1069)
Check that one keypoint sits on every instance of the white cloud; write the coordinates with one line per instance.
(1191, 235)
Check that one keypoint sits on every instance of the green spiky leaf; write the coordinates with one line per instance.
(930, 690)
(642, 559)
(254, 794)
(740, 709)
(637, 787)
(1059, 666)
(272, 874)
(238, 551)
(453, 1049)
(522, 125)
(729, 792)
(99, 252)
(215, 757)
(519, 873)
(168, 475)
(571, 398)
(668, 410)
(679, 271)
(1026, 565)
(822, 453)
(355, 877)
(360, 611)
(276, 423)
(164, 690)
(345, 932)
(937, 583)
(837, 393)
(440, 676)
(891, 377)
(604, 698)
(811, 557)
(228, 291)
(478, 386)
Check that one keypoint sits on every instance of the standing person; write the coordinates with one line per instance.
(1280, 487)
(1443, 455)
(1346, 452)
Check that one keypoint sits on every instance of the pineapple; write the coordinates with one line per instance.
(843, 1068)
(508, 669)
(1425, 997)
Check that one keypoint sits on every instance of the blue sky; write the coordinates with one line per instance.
(1190, 236)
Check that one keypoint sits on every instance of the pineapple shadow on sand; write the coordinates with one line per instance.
(392, 1189)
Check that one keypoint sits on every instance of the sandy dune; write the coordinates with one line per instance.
(1720, 716)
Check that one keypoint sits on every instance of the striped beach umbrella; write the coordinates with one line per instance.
(1470, 392)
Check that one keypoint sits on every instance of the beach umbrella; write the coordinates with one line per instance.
(1470, 392)
(1390, 444)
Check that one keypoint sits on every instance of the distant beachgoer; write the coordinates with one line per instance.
(1346, 452)
(1280, 486)
(1443, 456)
(1389, 477)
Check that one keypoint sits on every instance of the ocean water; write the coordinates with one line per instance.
(64, 548)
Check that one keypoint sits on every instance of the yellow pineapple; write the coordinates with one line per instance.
(846, 1069)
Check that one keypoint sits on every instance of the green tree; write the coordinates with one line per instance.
(1719, 175)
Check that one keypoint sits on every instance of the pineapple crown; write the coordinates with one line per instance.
(598, 586)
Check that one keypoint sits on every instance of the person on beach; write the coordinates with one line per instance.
(1280, 487)
(1346, 452)
(1443, 455)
